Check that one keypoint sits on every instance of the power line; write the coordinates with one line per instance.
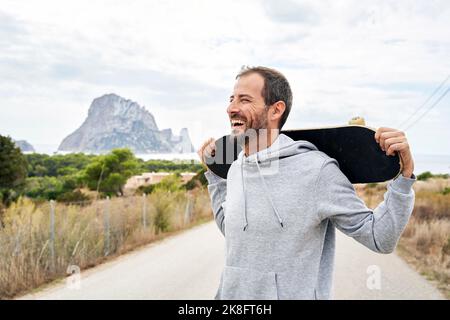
(431, 107)
(426, 101)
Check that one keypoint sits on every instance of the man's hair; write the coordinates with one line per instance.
(276, 88)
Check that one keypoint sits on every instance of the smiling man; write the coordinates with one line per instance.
(279, 225)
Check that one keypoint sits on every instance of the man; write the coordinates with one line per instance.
(282, 201)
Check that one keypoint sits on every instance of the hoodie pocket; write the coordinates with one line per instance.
(248, 284)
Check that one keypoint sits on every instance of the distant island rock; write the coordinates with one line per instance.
(115, 122)
(24, 146)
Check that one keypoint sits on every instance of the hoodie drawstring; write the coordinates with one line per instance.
(243, 192)
(267, 193)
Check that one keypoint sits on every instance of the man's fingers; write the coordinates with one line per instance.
(207, 149)
(389, 143)
(207, 142)
(399, 147)
(210, 147)
(393, 140)
(383, 134)
(382, 130)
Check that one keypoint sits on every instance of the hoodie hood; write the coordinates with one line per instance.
(282, 147)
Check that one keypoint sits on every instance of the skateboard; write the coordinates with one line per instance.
(353, 146)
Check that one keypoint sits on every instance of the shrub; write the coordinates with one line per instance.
(424, 176)
(427, 174)
(197, 181)
(43, 187)
(171, 183)
(73, 196)
(161, 219)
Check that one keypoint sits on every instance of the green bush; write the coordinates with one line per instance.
(8, 196)
(146, 189)
(171, 183)
(198, 180)
(73, 196)
(43, 187)
(169, 166)
(163, 207)
(424, 176)
(427, 174)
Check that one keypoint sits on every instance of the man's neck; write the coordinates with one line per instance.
(260, 142)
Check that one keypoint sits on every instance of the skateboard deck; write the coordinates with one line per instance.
(354, 147)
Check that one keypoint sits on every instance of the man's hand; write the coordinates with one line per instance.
(207, 149)
(392, 140)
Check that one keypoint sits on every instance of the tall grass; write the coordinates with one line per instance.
(425, 243)
(86, 233)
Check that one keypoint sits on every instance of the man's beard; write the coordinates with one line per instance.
(259, 127)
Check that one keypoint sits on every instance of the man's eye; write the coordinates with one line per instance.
(245, 100)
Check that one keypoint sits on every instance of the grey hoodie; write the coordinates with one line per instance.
(278, 211)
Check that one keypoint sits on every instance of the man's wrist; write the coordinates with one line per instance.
(407, 173)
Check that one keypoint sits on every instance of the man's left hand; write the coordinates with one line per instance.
(393, 140)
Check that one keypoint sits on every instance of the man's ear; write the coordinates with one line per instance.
(277, 110)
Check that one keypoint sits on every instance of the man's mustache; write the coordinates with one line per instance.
(238, 118)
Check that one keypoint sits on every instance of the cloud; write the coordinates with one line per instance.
(166, 89)
(291, 11)
(10, 28)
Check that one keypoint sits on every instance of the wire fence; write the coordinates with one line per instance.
(39, 242)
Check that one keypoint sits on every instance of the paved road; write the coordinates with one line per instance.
(188, 266)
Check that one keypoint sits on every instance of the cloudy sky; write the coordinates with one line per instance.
(380, 60)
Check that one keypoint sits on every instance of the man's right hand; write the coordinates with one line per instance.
(208, 149)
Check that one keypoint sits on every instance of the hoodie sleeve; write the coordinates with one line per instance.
(217, 188)
(378, 229)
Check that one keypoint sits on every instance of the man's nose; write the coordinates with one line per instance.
(232, 109)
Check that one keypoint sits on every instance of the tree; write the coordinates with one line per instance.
(110, 172)
(43, 187)
(40, 165)
(13, 168)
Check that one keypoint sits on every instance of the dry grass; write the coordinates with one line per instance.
(425, 243)
(81, 233)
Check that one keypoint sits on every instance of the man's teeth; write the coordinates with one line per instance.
(237, 122)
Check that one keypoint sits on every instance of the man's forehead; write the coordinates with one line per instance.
(249, 84)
